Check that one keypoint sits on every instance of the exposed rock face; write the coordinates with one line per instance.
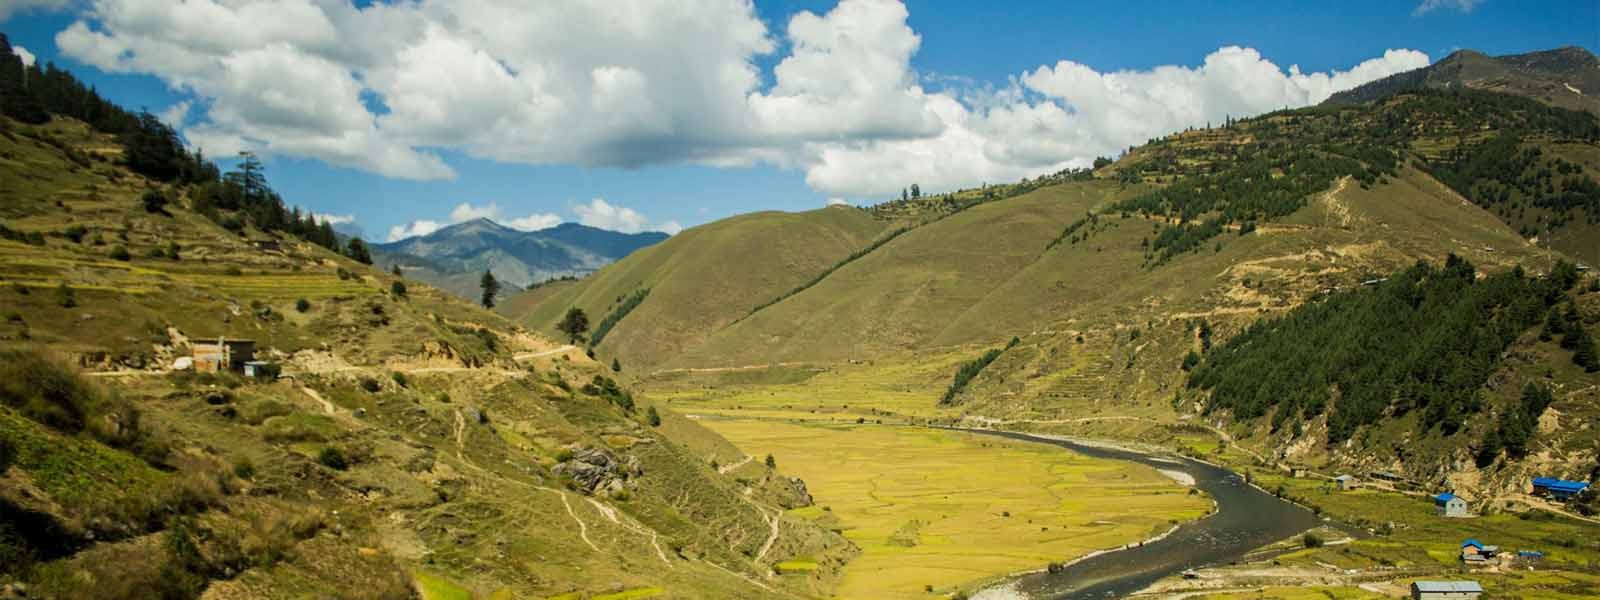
(598, 470)
(799, 496)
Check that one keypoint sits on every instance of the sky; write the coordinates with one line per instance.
(403, 117)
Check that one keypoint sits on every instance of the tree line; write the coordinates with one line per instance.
(1425, 340)
(31, 94)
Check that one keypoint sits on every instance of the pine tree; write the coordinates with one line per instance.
(574, 324)
(357, 251)
(490, 287)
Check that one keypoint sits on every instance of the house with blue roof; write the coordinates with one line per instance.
(1559, 490)
(1451, 505)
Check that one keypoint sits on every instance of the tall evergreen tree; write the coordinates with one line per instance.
(490, 287)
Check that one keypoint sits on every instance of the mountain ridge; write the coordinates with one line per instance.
(1566, 77)
(453, 258)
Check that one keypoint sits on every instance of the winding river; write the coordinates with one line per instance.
(1246, 518)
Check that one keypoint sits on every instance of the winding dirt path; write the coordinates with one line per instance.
(728, 468)
(777, 515)
(583, 530)
(533, 355)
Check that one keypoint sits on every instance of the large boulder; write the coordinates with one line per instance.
(597, 470)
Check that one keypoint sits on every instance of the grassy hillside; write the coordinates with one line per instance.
(704, 278)
(407, 451)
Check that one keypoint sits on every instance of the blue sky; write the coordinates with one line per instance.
(873, 96)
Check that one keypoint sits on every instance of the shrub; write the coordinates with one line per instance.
(1312, 540)
(333, 458)
(370, 385)
(399, 378)
(398, 288)
(154, 201)
(244, 469)
(655, 417)
(65, 296)
(120, 252)
(302, 305)
(52, 394)
(232, 271)
(76, 233)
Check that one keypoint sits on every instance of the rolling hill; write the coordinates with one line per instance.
(416, 445)
(1106, 281)
(455, 257)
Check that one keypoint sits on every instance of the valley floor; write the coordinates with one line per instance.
(937, 511)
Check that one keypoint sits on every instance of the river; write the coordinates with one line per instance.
(1246, 518)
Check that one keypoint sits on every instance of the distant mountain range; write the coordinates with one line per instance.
(454, 258)
(1564, 77)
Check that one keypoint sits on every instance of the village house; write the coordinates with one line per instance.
(1451, 505)
(1559, 490)
(1476, 553)
(1446, 590)
(223, 355)
(1347, 482)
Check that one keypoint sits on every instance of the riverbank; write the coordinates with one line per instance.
(1245, 518)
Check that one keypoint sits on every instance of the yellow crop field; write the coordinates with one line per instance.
(943, 509)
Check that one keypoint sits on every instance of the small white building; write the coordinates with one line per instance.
(1451, 505)
(1346, 482)
(1446, 590)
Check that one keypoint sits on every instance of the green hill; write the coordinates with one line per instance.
(1107, 280)
(703, 279)
(416, 444)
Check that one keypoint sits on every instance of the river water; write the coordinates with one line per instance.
(1246, 518)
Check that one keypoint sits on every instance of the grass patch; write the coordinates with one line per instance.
(434, 587)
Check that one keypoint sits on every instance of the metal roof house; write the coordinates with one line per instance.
(1346, 482)
(1558, 489)
(223, 355)
(1451, 505)
(1446, 590)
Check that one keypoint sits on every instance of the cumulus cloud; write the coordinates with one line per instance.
(12, 7)
(332, 219)
(535, 221)
(416, 228)
(175, 115)
(1428, 6)
(602, 214)
(836, 201)
(23, 54)
(387, 87)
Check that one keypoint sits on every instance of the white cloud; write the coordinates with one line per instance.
(468, 212)
(12, 7)
(175, 115)
(535, 222)
(1428, 6)
(334, 219)
(386, 87)
(669, 227)
(836, 201)
(602, 214)
(22, 53)
(413, 229)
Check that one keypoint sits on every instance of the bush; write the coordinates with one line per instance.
(154, 201)
(66, 297)
(54, 395)
(120, 252)
(370, 385)
(398, 288)
(399, 378)
(655, 417)
(1312, 540)
(333, 458)
(232, 271)
(302, 305)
